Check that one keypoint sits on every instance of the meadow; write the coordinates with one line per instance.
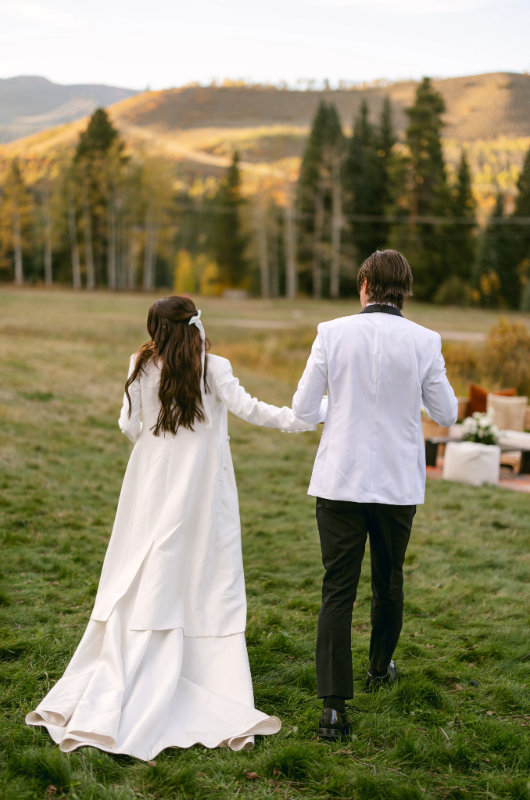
(455, 726)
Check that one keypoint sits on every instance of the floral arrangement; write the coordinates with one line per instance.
(480, 428)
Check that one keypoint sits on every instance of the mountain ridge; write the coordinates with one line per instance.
(487, 115)
(34, 95)
(482, 106)
(478, 106)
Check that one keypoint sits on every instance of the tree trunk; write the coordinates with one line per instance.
(111, 242)
(123, 263)
(132, 260)
(48, 267)
(17, 245)
(274, 265)
(290, 249)
(147, 251)
(336, 225)
(151, 242)
(263, 253)
(72, 227)
(154, 251)
(413, 213)
(317, 245)
(87, 236)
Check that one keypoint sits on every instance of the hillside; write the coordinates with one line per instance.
(478, 107)
(200, 127)
(32, 96)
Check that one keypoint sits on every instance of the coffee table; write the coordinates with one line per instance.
(431, 452)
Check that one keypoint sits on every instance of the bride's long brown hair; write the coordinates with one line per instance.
(176, 347)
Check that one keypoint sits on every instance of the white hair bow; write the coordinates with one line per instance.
(196, 320)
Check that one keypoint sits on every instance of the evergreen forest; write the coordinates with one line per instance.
(103, 216)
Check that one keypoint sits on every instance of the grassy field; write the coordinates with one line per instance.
(435, 735)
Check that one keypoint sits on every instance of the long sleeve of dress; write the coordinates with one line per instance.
(131, 425)
(240, 403)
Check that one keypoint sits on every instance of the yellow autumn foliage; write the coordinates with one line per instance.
(196, 274)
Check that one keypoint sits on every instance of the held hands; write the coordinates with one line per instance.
(321, 421)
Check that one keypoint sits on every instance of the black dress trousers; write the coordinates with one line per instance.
(343, 527)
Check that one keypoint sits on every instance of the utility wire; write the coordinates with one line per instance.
(390, 218)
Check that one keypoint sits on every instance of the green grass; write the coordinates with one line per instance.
(62, 364)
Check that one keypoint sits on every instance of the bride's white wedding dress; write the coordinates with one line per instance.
(163, 661)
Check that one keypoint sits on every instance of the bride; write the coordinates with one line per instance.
(163, 661)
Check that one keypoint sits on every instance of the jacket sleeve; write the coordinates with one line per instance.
(308, 402)
(438, 396)
(240, 403)
(131, 426)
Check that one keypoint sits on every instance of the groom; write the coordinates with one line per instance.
(378, 369)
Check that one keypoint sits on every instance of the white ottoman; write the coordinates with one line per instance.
(469, 462)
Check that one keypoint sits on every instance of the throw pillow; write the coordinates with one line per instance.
(478, 398)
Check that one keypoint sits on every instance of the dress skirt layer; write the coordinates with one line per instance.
(138, 692)
(163, 661)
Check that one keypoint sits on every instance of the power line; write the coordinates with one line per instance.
(394, 219)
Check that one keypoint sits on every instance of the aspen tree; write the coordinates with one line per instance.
(48, 266)
(262, 247)
(289, 228)
(274, 251)
(17, 243)
(16, 219)
(87, 237)
(74, 244)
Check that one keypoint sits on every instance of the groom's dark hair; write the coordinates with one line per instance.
(388, 276)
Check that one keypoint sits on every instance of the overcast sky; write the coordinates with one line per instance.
(163, 43)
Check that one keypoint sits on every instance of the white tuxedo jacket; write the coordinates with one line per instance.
(378, 369)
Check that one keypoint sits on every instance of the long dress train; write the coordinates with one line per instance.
(138, 692)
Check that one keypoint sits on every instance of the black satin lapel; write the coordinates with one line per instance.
(373, 309)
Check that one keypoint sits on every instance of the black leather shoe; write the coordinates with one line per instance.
(373, 683)
(333, 724)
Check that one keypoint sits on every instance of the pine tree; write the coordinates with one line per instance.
(387, 135)
(319, 175)
(423, 137)
(425, 193)
(366, 178)
(521, 232)
(325, 142)
(525, 301)
(311, 161)
(461, 240)
(496, 275)
(98, 138)
(96, 166)
(228, 242)
(386, 139)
